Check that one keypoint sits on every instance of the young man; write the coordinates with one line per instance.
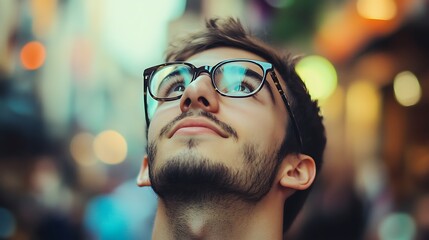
(234, 141)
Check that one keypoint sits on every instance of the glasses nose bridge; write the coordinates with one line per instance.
(203, 69)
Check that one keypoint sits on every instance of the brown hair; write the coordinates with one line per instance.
(230, 33)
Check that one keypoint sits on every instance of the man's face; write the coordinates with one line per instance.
(206, 142)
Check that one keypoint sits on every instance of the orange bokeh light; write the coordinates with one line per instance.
(33, 55)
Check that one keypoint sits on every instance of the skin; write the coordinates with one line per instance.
(260, 119)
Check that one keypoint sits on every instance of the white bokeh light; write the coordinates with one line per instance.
(135, 31)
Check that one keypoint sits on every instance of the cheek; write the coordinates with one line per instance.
(260, 124)
(163, 115)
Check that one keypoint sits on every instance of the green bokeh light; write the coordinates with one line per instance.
(397, 226)
(319, 75)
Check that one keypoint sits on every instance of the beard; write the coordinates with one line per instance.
(192, 177)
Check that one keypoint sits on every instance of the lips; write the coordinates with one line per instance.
(199, 125)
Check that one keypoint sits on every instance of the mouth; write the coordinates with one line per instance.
(196, 126)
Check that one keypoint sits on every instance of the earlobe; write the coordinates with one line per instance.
(143, 177)
(298, 172)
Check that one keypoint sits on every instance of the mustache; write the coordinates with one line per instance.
(224, 126)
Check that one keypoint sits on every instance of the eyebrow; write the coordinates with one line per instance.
(253, 74)
(171, 75)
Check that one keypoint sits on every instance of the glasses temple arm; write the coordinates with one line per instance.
(146, 113)
(289, 109)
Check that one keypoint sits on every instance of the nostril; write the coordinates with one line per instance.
(187, 102)
(204, 101)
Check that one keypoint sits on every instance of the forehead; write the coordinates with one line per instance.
(215, 55)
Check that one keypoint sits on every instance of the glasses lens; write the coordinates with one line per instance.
(170, 81)
(238, 78)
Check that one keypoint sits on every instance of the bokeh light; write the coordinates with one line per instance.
(33, 55)
(363, 102)
(110, 147)
(319, 76)
(44, 12)
(113, 223)
(126, 213)
(151, 28)
(81, 148)
(398, 226)
(332, 108)
(7, 224)
(407, 89)
(377, 10)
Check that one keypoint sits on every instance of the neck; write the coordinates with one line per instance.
(219, 220)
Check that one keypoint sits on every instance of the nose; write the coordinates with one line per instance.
(200, 94)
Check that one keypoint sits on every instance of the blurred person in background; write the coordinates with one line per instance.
(234, 142)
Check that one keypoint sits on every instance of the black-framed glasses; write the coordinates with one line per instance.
(235, 78)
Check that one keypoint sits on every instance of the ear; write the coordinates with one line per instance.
(298, 172)
(143, 177)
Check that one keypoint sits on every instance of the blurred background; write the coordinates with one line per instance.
(72, 128)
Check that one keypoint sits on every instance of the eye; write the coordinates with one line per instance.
(238, 79)
(170, 81)
(237, 84)
(171, 87)
(178, 88)
(241, 87)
